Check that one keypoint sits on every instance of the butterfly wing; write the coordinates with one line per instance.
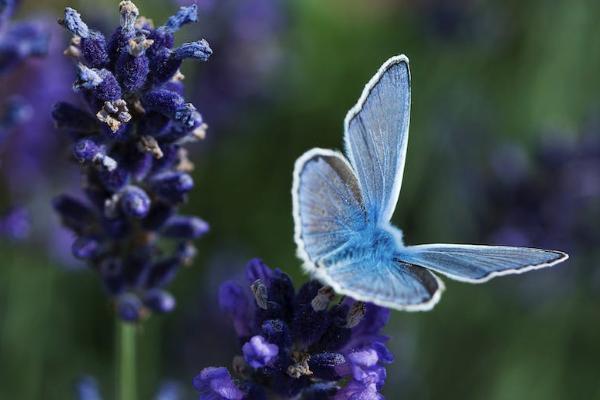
(475, 264)
(393, 283)
(330, 224)
(376, 136)
(327, 205)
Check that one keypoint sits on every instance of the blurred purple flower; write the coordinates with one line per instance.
(247, 36)
(548, 199)
(461, 20)
(216, 384)
(15, 224)
(19, 40)
(169, 390)
(86, 388)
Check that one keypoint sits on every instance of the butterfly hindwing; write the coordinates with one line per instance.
(473, 263)
(376, 136)
(389, 283)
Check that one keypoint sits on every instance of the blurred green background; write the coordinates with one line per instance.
(484, 73)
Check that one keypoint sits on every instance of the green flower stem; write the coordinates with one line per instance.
(127, 361)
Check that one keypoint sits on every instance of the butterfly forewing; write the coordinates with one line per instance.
(376, 137)
(328, 207)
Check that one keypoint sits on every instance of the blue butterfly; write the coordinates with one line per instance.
(342, 210)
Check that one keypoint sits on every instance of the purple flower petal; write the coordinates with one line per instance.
(215, 383)
(258, 352)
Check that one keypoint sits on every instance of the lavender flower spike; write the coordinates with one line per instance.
(298, 345)
(128, 139)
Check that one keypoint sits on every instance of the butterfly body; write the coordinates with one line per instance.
(380, 244)
(342, 208)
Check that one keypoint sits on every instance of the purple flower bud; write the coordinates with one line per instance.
(277, 332)
(133, 66)
(233, 300)
(184, 16)
(140, 165)
(259, 353)
(199, 50)
(187, 116)
(100, 82)
(87, 78)
(169, 159)
(162, 272)
(167, 63)
(85, 248)
(87, 151)
(257, 269)
(308, 324)
(323, 365)
(114, 179)
(118, 41)
(129, 308)
(111, 271)
(129, 14)
(182, 227)
(73, 212)
(116, 228)
(74, 24)
(172, 186)
(93, 49)
(216, 384)
(67, 116)
(163, 101)
(134, 202)
(159, 301)
(337, 334)
(138, 266)
(132, 72)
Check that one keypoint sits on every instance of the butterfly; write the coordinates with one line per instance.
(342, 209)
